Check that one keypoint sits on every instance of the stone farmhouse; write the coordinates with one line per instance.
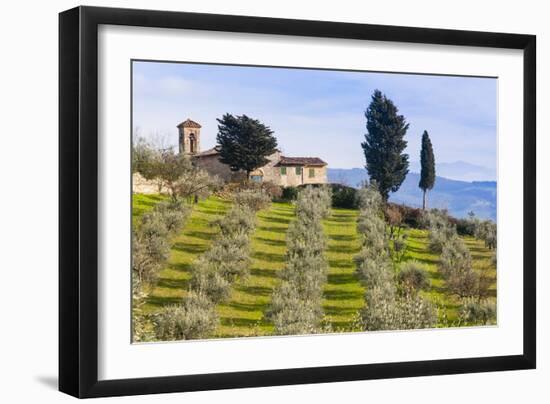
(280, 170)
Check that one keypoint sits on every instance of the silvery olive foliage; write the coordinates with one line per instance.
(455, 260)
(227, 260)
(150, 251)
(208, 280)
(486, 230)
(150, 241)
(240, 220)
(437, 221)
(413, 276)
(386, 308)
(195, 317)
(255, 199)
(478, 312)
(296, 302)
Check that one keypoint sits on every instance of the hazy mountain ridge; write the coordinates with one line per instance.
(460, 171)
(459, 197)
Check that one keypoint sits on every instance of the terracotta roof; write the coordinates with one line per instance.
(301, 161)
(209, 152)
(188, 123)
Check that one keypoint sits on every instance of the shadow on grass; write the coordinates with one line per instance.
(341, 264)
(341, 326)
(263, 272)
(190, 248)
(270, 257)
(342, 295)
(181, 266)
(203, 235)
(342, 279)
(172, 283)
(338, 219)
(274, 219)
(281, 230)
(160, 301)
(274, 243)
(250, 307)
(342, 237)
(344, 249)
(256, 290)
(238, 322)
(338, 311)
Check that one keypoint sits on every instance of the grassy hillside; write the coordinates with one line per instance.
(195, 239)
(417, 248)
(343, 294)
(243, 315)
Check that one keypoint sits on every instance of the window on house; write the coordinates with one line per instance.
(298, 170)
(283, 170)
(256, 178)
(311, 172)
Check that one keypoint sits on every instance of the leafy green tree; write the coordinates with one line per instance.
(427, 167)
(244, 143)
(384, 144)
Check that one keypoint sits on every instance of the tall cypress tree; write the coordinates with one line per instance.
(427, 166)
(244, 143)
(384, 144)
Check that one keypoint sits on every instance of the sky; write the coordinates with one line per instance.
(319, 113)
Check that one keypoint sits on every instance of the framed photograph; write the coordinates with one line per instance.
(251, 201)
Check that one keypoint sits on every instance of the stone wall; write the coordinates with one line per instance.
(142, 186)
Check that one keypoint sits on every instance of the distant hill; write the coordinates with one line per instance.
(459, 197)
(460, 171)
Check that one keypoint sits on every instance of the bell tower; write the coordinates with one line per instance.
(189, 137)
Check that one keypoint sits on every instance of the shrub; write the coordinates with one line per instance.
(289, 193)
(465, 227)
(369, 198)
(399, 247)
(437, 221)
(274, 191)
(474, 312)
(380, 309)
(343, 196)
(230, 256)
(412, 217)
(173, 214)
(307, 274)
(455, 257)
(296, 303)
(463, 283)
(385, 310)
(314, 203)
(373, 229)
(208, 281)
(414, 312)
(148, 256)
(304, 237)
(487, 231)
(194, 318)
(239, 220)
(291, 314)
(253, 199)
(393, 217)
(413, 277)
(373, 267)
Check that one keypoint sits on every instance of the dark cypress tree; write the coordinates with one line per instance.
(384, 144)
(244, 143)
(427, 167)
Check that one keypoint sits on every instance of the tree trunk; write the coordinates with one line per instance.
(424, 201)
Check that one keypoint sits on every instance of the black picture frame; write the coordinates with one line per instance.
(78, 201)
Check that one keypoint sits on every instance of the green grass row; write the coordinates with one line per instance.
(243, 315)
